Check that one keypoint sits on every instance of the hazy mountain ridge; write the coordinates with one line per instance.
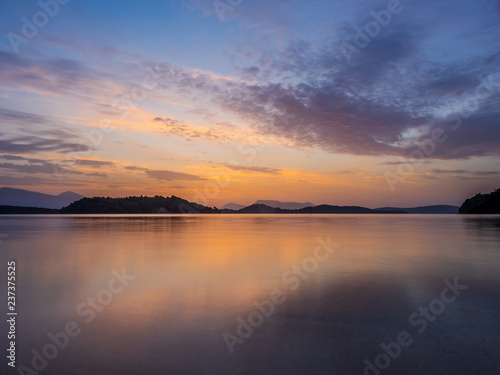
(284, 205)
(434, 209)
(19, 201)
(332, 209)
(321, 209)
(27, 198)
(270, 203)
(232, 206)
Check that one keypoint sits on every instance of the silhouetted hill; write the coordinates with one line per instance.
(26, 198)
(136, 205)
(437, 209)
(482, 204)
(16, 210)
(329, 209)
(321, 209)
(285, 205)
(262, 209)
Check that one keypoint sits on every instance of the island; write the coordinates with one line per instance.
(137, 205)
(482, 204)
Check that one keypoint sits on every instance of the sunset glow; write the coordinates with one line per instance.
(254, 101)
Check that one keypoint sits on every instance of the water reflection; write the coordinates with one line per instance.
(194, 276)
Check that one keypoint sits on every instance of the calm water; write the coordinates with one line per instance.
(196, 278)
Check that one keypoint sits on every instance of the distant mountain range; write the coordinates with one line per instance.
(232, 206)
(271, 203)
(20, 201)
(285, 205)
(321, 209)
(330, 209)
(26, 198)
(437, 209)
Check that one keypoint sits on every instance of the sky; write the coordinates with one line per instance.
(349, 102)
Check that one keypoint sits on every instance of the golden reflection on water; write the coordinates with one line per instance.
(194, 275)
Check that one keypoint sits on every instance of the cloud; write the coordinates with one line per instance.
(220, 131)
(17, 157)
(169, 122)
(310, 94)
(94, 163)
(371, 107)
(485, 173)
(430, 177)
(46, 166)
(177, 127)
(97, 174)
(49, 168)
(171, 176)
(22, 132)
(134, 168)
(58, 77)
(358, 110)
(265, 170)
(444, 171)
(403, 162)
(22, 117)
(32, 144)
(301, 88)
(463, 171)
(31, 180)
